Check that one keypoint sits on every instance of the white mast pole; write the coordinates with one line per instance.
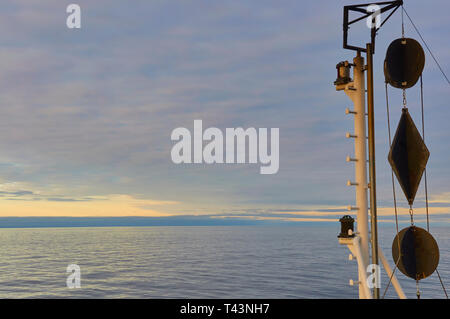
(359, 245)
(356, 91)
(360, 153)
(360, 164)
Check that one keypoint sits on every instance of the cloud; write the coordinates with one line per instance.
(106, 206)
(88, 114)
(16, 193)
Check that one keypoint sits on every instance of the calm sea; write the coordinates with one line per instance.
(192, 262)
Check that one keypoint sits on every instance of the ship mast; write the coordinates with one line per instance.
(358, 242)
(356, 92)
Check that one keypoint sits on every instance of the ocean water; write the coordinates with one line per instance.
(193, 262)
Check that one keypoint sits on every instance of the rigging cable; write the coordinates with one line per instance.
(442, 283)
(393, 188)
(392, 171)
(425, 178)
(425, 170)
(418, 294)
(403, 24)
(426, 45)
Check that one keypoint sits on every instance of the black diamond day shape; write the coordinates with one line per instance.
(408, 156)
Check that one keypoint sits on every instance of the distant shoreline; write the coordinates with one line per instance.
(186, 220)
(54, 222)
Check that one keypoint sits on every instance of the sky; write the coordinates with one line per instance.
(87, 114)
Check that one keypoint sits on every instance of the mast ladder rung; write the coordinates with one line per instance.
(350, 183)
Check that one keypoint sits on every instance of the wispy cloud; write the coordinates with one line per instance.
(88, 114)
